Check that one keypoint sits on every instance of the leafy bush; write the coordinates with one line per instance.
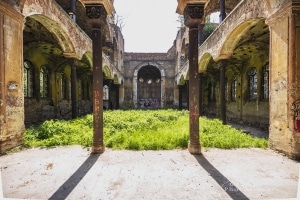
(140, 130)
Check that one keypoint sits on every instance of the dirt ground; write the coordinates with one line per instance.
(74, 173)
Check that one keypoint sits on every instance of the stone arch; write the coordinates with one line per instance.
(87, 58)
(162, 82)
(72, 40)
(54, 28)
(234, 37)
(181, 80)
(154, 64)
(116, 79)
(106, 72)
(204, 62)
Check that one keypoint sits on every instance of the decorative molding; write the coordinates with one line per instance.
(194, 11)
(193, 14)
(183, 3)
(107, 4)
(95, 11)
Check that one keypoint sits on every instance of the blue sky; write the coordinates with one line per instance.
(148, 25)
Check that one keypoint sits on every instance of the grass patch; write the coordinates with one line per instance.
(140, 130)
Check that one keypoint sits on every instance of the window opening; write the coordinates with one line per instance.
(233, 88)
(265, 82)
(252, 84)
(28, 79)
(43, 82)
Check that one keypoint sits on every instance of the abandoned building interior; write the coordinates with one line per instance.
(53, 52)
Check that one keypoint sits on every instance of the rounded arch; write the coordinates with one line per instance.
(204, 62)
(107, 73)
(181, 80)
(236, 36)
(116, 79)
(55, 29)
(154, 64)
(73, 41)
(88, 58)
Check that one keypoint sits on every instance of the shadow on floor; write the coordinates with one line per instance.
(73, 181)
(227, 186)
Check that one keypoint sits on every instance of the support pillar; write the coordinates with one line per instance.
(180, 97)
(222, 65)
(109, 94)
(222, 15)
(97, 14)
(200, 94)
(74, 89)
(193, 14)
(117, 96)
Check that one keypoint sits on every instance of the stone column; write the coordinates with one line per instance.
(200, 94)
(117, 96)
(193, 17)
(180, 96)
(222, 15)
(163, 90)
(97, 14)
(74, 88)
(109, 94)
(134, 90)
(222, 65)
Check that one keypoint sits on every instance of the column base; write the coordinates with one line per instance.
(98, 148)
(194, 149)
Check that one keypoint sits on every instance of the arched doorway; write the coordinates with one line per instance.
(149, 87)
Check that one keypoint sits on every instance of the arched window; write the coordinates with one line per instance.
(63, 85)
(182, 60)
(28, 79)
(233, 88)
(44, 82)
(265, 82)
(252, 77)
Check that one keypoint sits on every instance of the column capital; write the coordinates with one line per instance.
(107, 5)
(96, 14)
(193, 15)
(97, 11)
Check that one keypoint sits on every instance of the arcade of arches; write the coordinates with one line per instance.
(245, 71)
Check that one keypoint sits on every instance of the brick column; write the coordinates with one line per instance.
(193, 16)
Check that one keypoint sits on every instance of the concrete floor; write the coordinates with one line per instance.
(74, 173)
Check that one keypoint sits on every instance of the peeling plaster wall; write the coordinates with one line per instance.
(284, 75)
(11, 85)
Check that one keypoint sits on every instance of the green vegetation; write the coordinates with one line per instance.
(140, 130)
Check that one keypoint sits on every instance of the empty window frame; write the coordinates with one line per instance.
(44, 82)
(265, 82)
(233, 88)
(252, 80)
(28, 79)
